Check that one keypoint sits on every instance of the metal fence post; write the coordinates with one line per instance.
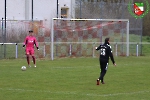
(137, 50)
(70, 49)
(44, 53)
(116, 49)
(16, 50)
(93, 50)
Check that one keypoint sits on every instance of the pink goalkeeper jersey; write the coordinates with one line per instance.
(30, 41)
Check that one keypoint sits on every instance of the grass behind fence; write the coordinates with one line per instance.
(75, 79)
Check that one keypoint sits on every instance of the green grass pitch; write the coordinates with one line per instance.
(75, 79)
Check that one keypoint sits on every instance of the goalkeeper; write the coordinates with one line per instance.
(29, 42)
(105, 53)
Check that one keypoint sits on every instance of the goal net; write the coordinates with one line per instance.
(78, 37)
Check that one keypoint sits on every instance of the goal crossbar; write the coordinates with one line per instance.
(91, 19)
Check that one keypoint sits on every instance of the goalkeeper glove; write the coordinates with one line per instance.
(37, 48)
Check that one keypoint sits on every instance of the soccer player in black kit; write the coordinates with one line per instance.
(105, 53)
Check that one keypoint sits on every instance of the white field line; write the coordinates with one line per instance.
(75, 93)
(115, 94)
(63, 67)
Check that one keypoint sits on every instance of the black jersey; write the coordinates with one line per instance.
(105, 53)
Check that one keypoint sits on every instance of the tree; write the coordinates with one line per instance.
(112, 9)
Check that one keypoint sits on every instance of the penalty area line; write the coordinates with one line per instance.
(116, 94)
(75, 92)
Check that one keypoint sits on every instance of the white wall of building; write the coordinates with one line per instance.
(42, 9)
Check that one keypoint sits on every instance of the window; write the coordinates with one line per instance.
(64, 12)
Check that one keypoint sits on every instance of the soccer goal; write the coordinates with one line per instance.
(78, 37)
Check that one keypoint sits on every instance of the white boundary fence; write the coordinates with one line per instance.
(17, 47)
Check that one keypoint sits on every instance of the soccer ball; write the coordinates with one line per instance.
(23, 68)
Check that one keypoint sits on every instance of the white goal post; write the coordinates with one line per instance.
(65, 30)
